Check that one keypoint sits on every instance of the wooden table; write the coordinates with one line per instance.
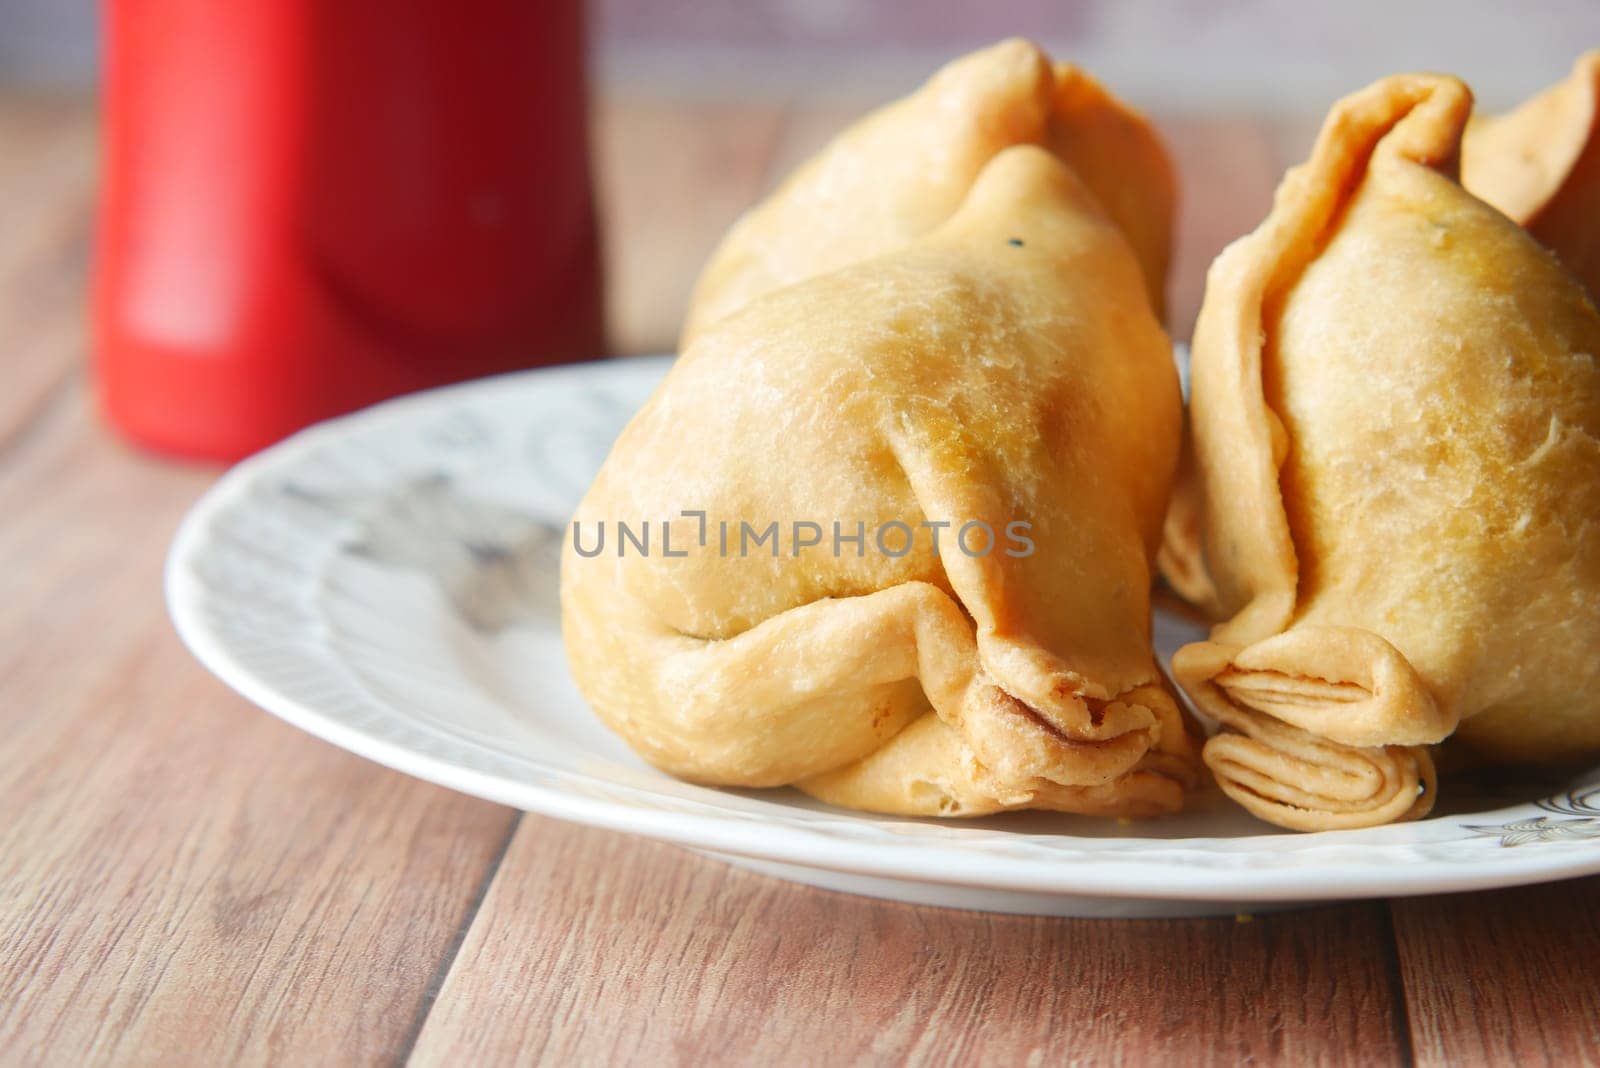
(184, 879)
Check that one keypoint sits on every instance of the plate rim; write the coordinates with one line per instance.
(970, 865)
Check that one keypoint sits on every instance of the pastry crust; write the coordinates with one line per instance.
(1540, 164)
(903, 170)
(1004, 367)
(1395, 411)
(1179, 561)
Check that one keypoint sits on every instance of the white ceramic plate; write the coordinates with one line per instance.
(388, 582)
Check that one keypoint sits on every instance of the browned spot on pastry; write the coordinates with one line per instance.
(1096, 717)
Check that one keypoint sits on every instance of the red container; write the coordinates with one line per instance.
(309, 206)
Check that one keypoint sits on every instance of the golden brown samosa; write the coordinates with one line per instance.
(1395, 411)
(1540, 164)
(901, 171)
(1004, 368)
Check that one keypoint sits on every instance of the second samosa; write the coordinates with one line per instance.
(1396, 429)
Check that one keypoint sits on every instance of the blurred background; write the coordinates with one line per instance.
(698, 106)
(1269, 54)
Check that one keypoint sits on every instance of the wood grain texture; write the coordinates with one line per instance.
(1507, 977)
(181, 876)
(596, 948)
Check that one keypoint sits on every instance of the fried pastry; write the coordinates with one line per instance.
(901, 171)
(1540, 164)
(1005, 367)
(1395, 412)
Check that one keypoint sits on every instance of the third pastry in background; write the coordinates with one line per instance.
(1540, 164)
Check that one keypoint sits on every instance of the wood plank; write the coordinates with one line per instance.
(48, 154)
(1507, 977)
(672, 176)
(593, 947)
(182, 877)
